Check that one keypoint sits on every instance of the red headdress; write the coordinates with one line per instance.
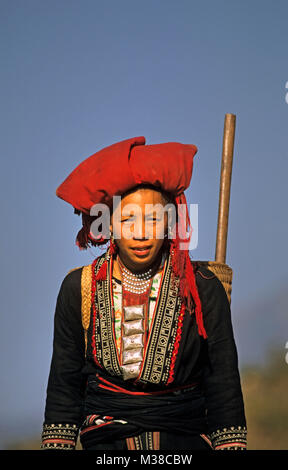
(122, 166)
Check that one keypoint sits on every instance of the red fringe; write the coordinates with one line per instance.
(113, 248)
(176, 345)
(102, 273)
(191, 285)
(183, 268)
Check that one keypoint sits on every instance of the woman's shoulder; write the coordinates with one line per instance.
(73, 276)
(202, 271)
(203, 274)
(209, 285)
(70, 287)
(76, 278)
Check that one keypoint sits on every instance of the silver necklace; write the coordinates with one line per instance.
(135, 283)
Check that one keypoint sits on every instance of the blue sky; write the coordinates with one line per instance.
(77, 76)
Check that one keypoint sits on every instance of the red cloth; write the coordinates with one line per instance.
(121, 166)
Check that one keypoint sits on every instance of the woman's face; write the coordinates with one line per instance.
(138, 228)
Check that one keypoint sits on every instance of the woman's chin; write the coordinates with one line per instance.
(141, 260)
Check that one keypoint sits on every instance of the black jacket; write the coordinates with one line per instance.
(212, 364)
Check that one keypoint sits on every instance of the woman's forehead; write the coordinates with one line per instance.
(142, 200)
(142, 196)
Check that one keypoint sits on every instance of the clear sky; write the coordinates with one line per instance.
(80, 75)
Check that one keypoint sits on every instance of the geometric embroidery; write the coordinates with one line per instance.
(163, 332)
(161, 341)
(232, 438)
(59, 436)
(104, 335)
(148, 440)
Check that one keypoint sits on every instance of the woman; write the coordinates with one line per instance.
(157, 366)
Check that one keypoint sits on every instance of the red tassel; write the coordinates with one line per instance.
(85, 236)
(192, 287)
(183, 269)
(113, 248)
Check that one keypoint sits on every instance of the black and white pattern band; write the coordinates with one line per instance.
(59, 436)
(229, 438)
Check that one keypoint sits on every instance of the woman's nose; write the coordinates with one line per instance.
(141, 231)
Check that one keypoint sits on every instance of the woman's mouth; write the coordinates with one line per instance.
(141, 251)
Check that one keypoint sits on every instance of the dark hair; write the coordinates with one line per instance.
(169, 197)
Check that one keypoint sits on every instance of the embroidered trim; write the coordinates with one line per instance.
(149, 440)
(97, 263)
(104, 346)
(206, 439)
(162, 335)
(59, 436)
(133, 443)
(230, 438)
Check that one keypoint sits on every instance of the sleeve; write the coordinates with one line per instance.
(222, 386)
(66, 384)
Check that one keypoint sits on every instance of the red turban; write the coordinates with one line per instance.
(122, 166)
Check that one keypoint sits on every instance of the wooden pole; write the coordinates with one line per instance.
(225, 184)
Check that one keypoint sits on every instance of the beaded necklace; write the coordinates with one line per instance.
(135, 283)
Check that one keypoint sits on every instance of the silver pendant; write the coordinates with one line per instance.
(132, 341)
(131, 371)
(133, 312)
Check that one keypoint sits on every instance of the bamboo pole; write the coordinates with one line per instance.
(225, 185)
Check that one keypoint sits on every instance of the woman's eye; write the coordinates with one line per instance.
(125, 221)
(153, 219)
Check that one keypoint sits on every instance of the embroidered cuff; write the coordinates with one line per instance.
(59, 436)
(230, 438)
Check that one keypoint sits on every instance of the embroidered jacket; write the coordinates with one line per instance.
(175, 358)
